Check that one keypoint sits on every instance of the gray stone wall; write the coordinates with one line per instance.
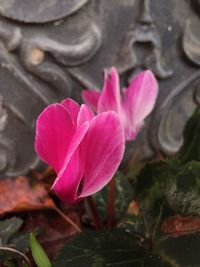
(52, 49)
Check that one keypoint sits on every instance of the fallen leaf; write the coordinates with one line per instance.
(53, 229)
(178, 225)
(22, 194)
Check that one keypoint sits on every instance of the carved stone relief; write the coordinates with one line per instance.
(144, 32)
(50, 50)
(35, 67)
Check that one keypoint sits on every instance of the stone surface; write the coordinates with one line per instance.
(50, 50)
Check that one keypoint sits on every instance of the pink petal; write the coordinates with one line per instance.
(110, 97)
(84, 115)
(54, 133)
(69, 177)
(103, 149)
(139, 101)
(72, 107)
(91, 98)
(132, 131)
(75, 142)
(67, 183)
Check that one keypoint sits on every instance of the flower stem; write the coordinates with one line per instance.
(111, 203)
(67, 219)
(94, 212)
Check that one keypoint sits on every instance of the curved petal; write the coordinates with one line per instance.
(139, 100)
(91, 98)
(85, 114)
(131, 131)
(67, 183)
(110, 98)
(103, 149)
(75, 142)
(69, 178)
(54, 133)
(72, 107)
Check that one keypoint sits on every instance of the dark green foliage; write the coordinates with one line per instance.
(102, 248)
(123, 195)
(8, 228)
(174, 185)
(119, 248)
(191, 147)
(11, 237)
(163, 189)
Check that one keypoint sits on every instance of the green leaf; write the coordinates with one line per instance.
(120, 248)
(191, 146)
(183, 250)
(99, 249)
(176, 186)
(8, 228)
(20, 241)
(152, 185)
(123, 196)
(38, 252)
(183, 195)
(164, 189)
(11, 237)
(8, 263)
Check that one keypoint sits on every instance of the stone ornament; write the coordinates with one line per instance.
(50, 50)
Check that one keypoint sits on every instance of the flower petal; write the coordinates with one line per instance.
(72, 107)
(85, 114)
(69, 177)
(67, 183)
(110, 97)
(54, 133)
(139, 100)
(103, 149)
(91, 98)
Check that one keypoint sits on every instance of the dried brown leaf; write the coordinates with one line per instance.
(21, 194)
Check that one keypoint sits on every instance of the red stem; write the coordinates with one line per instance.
(94, 212)
(111, 203)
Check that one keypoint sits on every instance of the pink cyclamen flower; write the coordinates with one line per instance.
(83, 149)
(133, 106)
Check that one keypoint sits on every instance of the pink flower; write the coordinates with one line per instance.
(83, 149)
(133, 106)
